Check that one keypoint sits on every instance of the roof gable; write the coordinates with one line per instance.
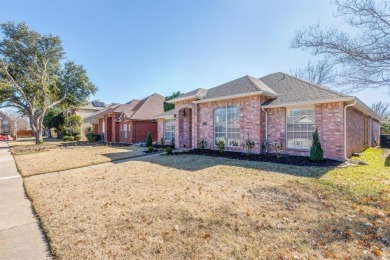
(240, 86)
(294, 90)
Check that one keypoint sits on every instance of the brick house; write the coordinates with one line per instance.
(279, 110)
(5, 127)
(130, 122)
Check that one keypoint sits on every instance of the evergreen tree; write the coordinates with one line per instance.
(149, 139)
(316, 152)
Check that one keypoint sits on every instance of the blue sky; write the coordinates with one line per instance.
(132, 49)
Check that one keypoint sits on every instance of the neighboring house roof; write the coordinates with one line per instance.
(144, 109)
(240, 86)
(294, 90)
(94, 105)
(93, 119)
(167, 114)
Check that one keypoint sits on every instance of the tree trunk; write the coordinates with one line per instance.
(36, 125)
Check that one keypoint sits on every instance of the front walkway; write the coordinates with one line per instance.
(20, 235)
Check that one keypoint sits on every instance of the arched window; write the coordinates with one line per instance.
(227, 125)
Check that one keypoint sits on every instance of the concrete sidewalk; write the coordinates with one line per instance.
(20, 235)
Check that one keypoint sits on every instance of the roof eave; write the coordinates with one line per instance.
(230, 97)
(164, 117)
(173, 101)
(311, 102)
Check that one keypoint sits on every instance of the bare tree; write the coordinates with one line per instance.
(362, 58)
(16, 119)
(321, 73)
(381, 108)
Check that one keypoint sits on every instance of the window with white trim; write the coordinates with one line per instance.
(300, 127)
(169, 129)
(227, 125)
(125, 130)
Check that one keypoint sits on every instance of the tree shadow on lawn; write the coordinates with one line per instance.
(127, 154)
(199, 162)
(387, 161)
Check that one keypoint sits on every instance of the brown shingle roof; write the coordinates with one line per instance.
(294, 90)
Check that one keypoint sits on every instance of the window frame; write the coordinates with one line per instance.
(172, 131)
(124, 126)
(288, 109)
(226, 126)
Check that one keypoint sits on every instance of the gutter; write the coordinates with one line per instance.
(311, 102)
(266, 127)
(345, 128)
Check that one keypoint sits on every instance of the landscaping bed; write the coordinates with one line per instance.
(270, 157)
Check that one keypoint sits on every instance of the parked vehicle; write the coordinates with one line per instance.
(4, 137)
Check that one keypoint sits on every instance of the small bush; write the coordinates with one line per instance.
(150, 149)
(173, 142)
(221, 145)
(316, 152)
(71, 138)
(202, 144)
(93, 137)
(77, 138)
(162, 141)
(66, 138)
(149, 140)
(248, 145)
(168, 150)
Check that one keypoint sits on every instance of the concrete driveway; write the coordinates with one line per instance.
(20, 234)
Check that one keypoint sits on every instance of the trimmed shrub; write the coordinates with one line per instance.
(202, 144)
(162, 141)
(149, 140)
(316, 152)
(221, 145)
(93, 137)
(71, 138)
(77, 137)
(168, 150)
(173, 142)
(248, 145)
(150, 149)
(66, 138)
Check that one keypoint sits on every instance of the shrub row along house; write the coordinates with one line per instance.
(128, 123)
(278, 112)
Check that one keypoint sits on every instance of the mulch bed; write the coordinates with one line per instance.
(270, 157)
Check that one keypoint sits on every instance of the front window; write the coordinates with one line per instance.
(125, 130)
(103, 126)
(300, 127)
(227, 125)
(169, 129)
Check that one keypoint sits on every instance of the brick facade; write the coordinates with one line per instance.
(362, 131)
(197, 122)
(136, 129)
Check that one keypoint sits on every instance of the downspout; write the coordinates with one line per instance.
(345, 128)
(266, 128)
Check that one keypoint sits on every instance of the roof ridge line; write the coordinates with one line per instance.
(253, 82)
(316, 85)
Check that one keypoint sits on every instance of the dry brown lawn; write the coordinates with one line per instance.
(196, 207)
(63, 158)
(24, 141)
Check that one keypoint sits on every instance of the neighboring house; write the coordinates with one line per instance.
(87, 110)
(5, 127)
(279, 110)
(130, 122)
